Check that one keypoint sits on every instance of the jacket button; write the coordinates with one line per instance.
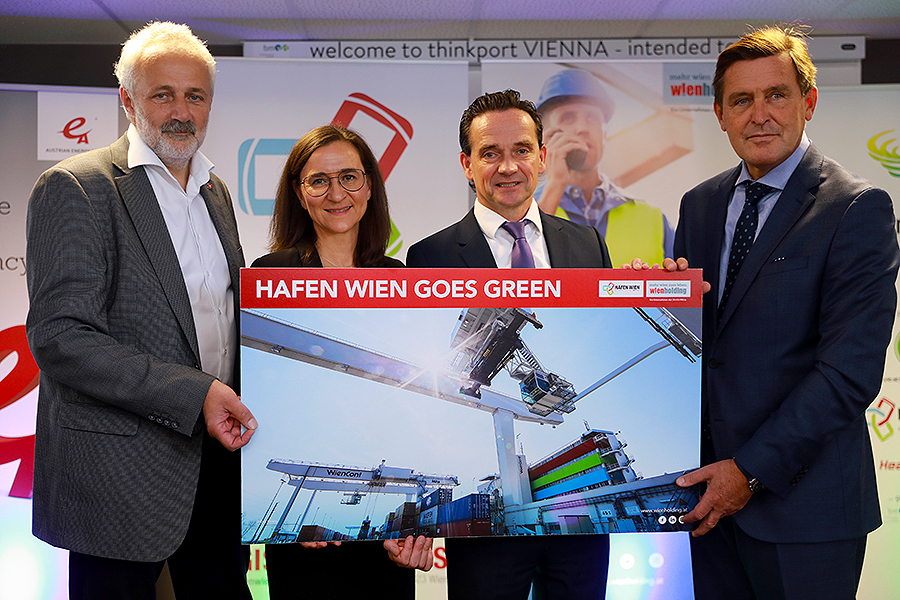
(712, 363)
(174, 424)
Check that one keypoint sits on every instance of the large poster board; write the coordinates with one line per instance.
(468, 402)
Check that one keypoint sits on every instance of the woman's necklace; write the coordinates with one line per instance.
(328, 263)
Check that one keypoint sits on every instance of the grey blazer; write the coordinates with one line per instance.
(799, 353)
(119, 423)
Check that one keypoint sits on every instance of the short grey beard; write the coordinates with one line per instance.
(175, 157)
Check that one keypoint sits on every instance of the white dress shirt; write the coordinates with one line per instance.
(200, 254)
(501, 242)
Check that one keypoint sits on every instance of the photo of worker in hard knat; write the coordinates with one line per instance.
(576, 109)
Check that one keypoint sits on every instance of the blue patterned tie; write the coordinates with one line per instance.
(522, 258)
(744, 233)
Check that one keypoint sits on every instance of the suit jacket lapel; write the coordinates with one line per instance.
(140, 202)
(795, 199)
(222, 214)
(223, 220)
(558, 247)
(719, 213)
(473, 248)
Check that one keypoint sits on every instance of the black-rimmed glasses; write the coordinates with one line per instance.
(318, 184)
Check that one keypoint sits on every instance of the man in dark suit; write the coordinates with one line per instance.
(133, 281)
(794, 330)
(502, 155)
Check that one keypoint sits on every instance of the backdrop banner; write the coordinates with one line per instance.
(661, 140)
(408, 114)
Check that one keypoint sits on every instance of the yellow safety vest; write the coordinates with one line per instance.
(634, 229)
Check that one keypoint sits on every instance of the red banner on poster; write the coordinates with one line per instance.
(426, 288)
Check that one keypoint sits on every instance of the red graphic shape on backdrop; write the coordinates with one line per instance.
(69, 130)
(22, 379)
(13, 449)
(402, 128)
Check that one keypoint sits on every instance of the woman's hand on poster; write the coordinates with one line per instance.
(319, 544)
(411, 553)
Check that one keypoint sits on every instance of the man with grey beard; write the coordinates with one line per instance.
(133, 279)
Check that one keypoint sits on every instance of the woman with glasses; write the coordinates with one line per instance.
(331, 207)
(331, 210)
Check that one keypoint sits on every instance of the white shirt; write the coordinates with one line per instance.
(501, 242)
(200, 254)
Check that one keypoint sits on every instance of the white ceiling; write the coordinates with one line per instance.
(232, 21)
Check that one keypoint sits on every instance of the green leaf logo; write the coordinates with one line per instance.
(395, 242)
(888, 157)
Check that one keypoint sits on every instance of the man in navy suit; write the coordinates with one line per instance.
(795, 331)
(502, 155)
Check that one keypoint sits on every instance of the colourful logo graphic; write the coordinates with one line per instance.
(879, 417)
(897, 343)
(264, 149)
(69, 130)
(395, 242)
(888, 157)
(621, 288)
(248, 153)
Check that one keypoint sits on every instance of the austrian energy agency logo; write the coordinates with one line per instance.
(879, 418)
(73, 130)
(70, 123)
(884, 152)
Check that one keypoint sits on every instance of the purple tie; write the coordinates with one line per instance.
(522, 258)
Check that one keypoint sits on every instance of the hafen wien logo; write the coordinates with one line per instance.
(888, 157)
(70, 132)
(879, 418)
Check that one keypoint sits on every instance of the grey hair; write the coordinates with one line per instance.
(160, 37)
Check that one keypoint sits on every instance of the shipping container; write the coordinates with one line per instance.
(473, 506)
(428, 517)
(469, 527)
(405, 509)
(311, 533)
(436, 498)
